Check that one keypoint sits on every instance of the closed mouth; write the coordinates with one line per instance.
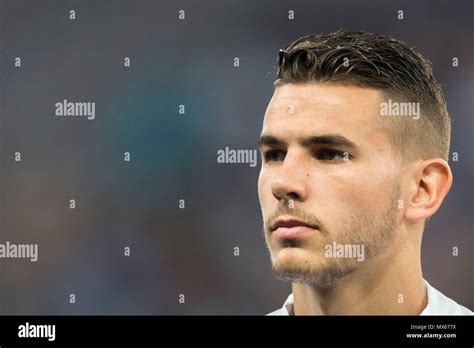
(288, 223)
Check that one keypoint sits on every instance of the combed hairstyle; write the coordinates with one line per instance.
(384, 63)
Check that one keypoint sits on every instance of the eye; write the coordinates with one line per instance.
(274, 155)
(332, 155)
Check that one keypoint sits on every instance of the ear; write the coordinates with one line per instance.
(432, 181)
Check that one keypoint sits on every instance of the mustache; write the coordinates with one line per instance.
(295, 213)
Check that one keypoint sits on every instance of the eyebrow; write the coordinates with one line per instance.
(329, 139)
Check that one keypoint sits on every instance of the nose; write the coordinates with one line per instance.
(290, 180)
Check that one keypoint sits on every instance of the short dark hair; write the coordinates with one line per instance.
(381, 62)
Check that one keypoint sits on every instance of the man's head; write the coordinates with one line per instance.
(354, 146)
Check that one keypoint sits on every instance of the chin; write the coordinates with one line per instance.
(301, 266)
(294, 259)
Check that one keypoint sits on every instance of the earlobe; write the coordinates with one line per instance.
(432, 181)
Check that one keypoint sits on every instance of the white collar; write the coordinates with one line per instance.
(438, 304)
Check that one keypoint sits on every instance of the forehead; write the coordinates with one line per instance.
(309, 109)
(323, 98)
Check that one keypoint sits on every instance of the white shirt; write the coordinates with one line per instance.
(438, 304)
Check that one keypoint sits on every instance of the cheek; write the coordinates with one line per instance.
(351, 192)
(263, 189)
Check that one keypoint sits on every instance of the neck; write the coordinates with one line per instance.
(390, 283)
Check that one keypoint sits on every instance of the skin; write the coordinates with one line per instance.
(361, 194)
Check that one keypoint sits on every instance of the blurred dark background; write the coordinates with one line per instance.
(191, 62)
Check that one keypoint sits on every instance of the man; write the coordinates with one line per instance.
(354, 146)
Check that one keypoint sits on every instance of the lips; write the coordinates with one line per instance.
(289, 223)
(291, 228)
